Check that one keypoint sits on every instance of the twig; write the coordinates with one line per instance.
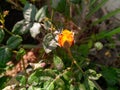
(73, 60)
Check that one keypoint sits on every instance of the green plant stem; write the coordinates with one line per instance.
(52, 14)
(23, 63)
(73, 60)
(98, 87)
(29, 46)
(8, 31)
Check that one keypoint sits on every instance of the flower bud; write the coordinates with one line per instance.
(66, 38)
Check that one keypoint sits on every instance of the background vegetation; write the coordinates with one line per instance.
(33, 58)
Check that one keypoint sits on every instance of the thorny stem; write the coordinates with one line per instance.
(73, 60)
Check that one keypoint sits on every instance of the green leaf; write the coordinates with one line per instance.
(34, 77)
(106, 16)
(35, 88)
(78, 75)
(23, 1)
(67, 75)
(58, 5)
(29, 12)
(46, 84)
(2, 34)
(5, 56)
(50, 86)
(82, 87)
(49, 72)
(92, 85)
(40, 76)
(14, 41)
(75, 1)
(105, 34)
(47, 24)
(41, 14)
(66, 12)
(58, 62)
(84, 49)
(98, 6)
(110, 75)
(3, 81)
(20, 53)
(45, 78)
(22, 79)
(89, 84)
(112, 88)
(86, 82)
(49, 43)
(92, 2)
(72, 87)
(23, 88)
(21, 27)
(78, 86)
(59, 84)
(92, 74)
(35, 29)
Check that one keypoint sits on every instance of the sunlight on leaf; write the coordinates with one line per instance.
(29, 12)
(58, 62)
(49, 43)
(21, 27)
(35, 29)
(41, 14)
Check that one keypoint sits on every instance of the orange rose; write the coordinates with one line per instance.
(66, 38)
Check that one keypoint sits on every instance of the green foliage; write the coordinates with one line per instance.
(105, 34)
(2, 34)
(93, 74)
(58, 62)
(107, 16)
(20, 53)
(3, 81)
(29, 12)
(41, 14)
(14, 41)
(35, 29)
(21, 79)
(23, 1)
(21, 27)
(75, 1)
(63, 68)
(58, 5)
(98, 6)
(49, 42)
(5, 56)
(110, 76)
